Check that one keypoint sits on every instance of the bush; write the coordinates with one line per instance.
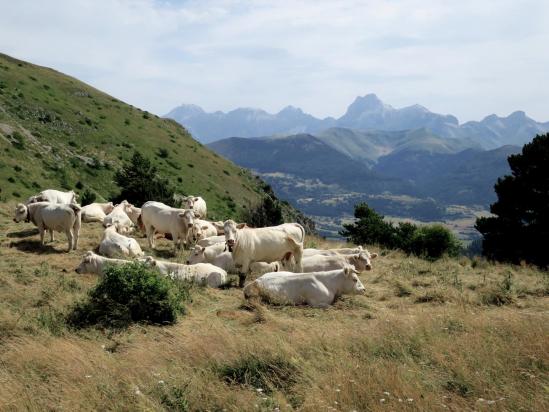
(87, 198)
(127, 294)
(431, 242)
(139, 182)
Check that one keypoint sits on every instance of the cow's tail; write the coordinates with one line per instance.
(302, 232)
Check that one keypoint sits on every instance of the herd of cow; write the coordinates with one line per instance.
(284, 271)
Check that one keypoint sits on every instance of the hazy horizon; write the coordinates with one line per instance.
(470, 59)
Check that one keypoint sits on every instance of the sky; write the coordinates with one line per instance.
(470, 58)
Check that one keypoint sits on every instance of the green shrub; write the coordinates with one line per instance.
(127, 294)
(432, 242)
(88, 197)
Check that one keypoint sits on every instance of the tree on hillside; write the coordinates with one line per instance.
(520, 228)
(429, 241)
(140, 182)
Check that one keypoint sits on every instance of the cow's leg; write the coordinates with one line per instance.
(298, 254)
(42, 233)
(69, 238)
(176, 241)
(243, 272)
(52, 235)
(149, 230)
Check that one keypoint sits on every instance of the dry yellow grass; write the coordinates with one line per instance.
(427, 336)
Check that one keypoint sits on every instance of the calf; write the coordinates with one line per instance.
(202, 273)
(52, 217)
(197, 204)
(200, 229)
(318, 289)
(96, 212)
(95, 264)
(115, 244)
(118, 216)
(215, 254)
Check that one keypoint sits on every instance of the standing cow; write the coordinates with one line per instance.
(52, 217)
(265, 244)
(158, 217)
(195, 203)
(54, 196)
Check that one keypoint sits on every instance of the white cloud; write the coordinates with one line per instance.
(468, 58)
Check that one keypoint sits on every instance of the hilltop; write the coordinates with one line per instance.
(58, 132)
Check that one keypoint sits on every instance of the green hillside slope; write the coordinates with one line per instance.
(56, 131)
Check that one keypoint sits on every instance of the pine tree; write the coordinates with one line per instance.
(519, 231)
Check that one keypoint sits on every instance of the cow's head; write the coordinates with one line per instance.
(108, 208)
(363, 260)
(197, 255)
(186, 218)
(21, 213)
(74, 196)
(86, 264)
(198, 231)
(229, 227)
(351, 283)
(147, 260)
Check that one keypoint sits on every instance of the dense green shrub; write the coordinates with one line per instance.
(87, 198)
(429, 241)
(140, 182)
(127, 294)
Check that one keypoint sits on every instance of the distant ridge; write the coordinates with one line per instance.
(365, 113)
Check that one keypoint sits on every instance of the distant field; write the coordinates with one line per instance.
(457, 334)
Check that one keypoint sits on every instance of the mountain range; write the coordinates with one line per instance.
(365, 113)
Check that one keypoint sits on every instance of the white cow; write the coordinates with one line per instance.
(260, 268)
(115, 244)
(264, 244)
(158, 217)
(215, 254)
(96, 212)
(54, 196)
(332, 252)
(293, 229)
(319, 289)
(319, 263)
(118, 216)
(202, 273)
(133, 213)
(52, 217)
(221, 231)
(212, 240)
(200, 229)
(195, 203)
(95, 264)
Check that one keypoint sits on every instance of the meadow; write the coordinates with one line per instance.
(455, 334)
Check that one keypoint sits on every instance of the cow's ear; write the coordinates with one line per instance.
(197, 214)
(348, 271)
(181, 215)
(196, 199)
(204, 227)
(373, 255)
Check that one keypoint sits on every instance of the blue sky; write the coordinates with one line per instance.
(469, 58)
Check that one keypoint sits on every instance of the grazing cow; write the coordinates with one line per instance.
(54, 196)
(266, 244)
(319, 263)
(212, 240)
(215, 254)
(318, 289)
(96, 212)
(95, 264)
(115, 244)
(260, 268)
(200, 229)
(202, 273)
(158, 217)
(52, 217)
(195, 203)
(332, 252)
(118, 216)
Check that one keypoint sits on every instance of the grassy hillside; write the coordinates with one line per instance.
(451, 335)
(56, 131)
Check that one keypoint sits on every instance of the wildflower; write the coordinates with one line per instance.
(410, 400)
(382, 400)
(259, 390)
(161, 382)
(88, 376)
(386, 393)
(338, 390)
